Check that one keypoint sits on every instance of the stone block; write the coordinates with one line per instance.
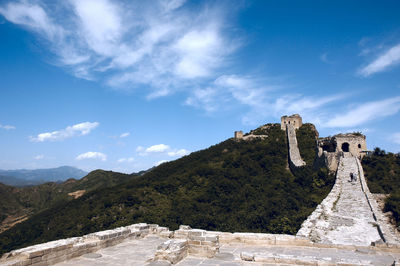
(264, 258)
(196, 232)
(197, 238)
(172, 251)
(184, 227)
(286, 240)
(212, 238)
(181, 234)
(141, 226)
(24, 262)
(35, 253)
(166, 234)
(36, 260)
(247, 256)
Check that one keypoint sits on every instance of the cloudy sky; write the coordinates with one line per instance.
(125, 85)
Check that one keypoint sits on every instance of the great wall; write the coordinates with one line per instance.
(347, 228)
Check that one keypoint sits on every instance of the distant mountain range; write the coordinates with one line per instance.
(24, 177)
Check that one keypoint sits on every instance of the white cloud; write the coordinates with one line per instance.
(33, 17)
(162, 44)
(126, 160)
(6, 127)
(311, 108)
(69, 132)
(39, 157)
(92, 155)
(366, 112)
(160, 162)
(396, 137)
(300, 104)
(230, 90)
(124, 135)
(158, 148)
(180, 153)
(387, 59)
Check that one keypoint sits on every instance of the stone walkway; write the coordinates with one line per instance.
(281, 255)
(294, 153)
(141, 251)
(130, 252)
(345, 216)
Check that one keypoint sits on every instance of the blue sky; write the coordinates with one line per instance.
(125, 85)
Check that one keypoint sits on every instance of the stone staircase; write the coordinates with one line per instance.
(345, 216)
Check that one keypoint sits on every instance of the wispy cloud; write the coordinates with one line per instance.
(158, 148)
(126, 160)
(92, 155)
(363, 113)
(69, 132)
(162, 44)
(124, 135)
(39, 157)
(180, 153)
(383, 62)
(311, 108)
(236, 89)
(160, 162)
(6, 127)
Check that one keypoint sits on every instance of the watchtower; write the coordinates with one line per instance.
(238, 134)
(354, 143)
(294, 120)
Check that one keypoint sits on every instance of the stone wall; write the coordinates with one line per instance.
(60, 250)
(179, 244)
(294, 153)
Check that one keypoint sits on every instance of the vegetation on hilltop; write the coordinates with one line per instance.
(231, 186)
(18, 203)
(382, 171)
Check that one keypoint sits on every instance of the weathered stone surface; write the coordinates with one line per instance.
(344, 216)
(172, 250)
(294, 153)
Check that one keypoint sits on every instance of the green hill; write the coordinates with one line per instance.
(20, 203)
(382, 171)
(231, 186)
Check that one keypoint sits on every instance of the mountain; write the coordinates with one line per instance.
(17, 182)
(23, 177)
(236, 185)
(17, 204)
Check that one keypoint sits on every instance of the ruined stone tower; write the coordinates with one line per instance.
(294, 120)
(331, 148)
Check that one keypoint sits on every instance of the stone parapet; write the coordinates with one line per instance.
(60, 250)
(181, 243)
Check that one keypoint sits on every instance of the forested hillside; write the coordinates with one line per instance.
(21, 203)
(382, 171)
(232, 186)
